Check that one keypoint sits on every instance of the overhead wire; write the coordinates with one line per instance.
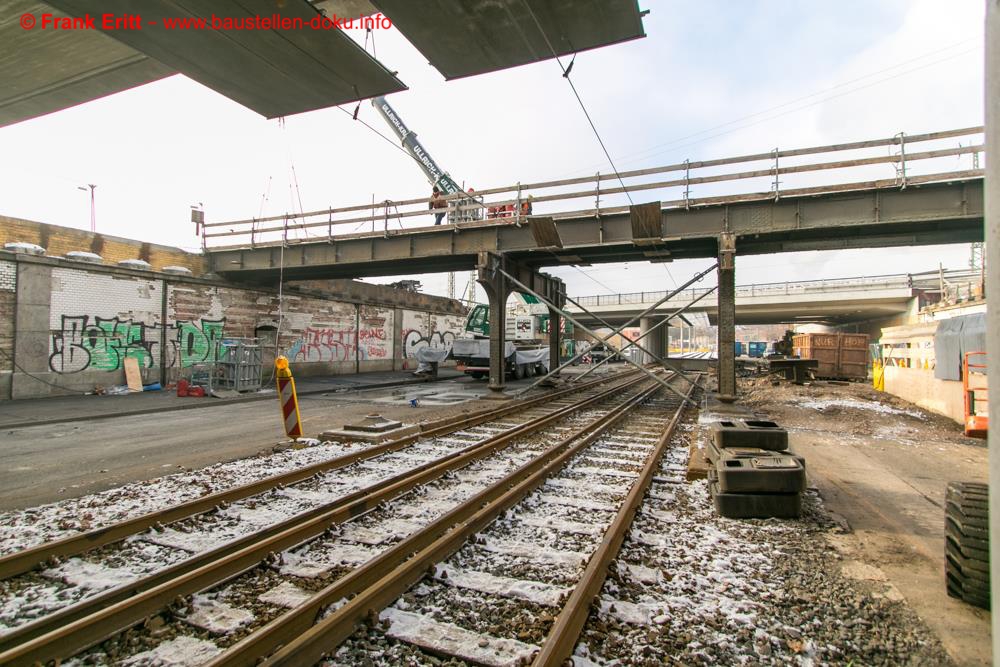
(566, 75)
(672, 145)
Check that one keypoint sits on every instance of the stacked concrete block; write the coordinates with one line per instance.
(753, 474)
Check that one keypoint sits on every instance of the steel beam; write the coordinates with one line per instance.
(655, 327)
(727, 317)
(631, 343)
(494, 274)
(596, 336)
(921, 214)
(555, 335)
(697, 277)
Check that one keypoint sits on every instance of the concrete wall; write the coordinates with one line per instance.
(908, 355)
(920, 387)
(69, 326)
(58, 241)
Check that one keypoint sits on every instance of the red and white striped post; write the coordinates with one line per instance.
(286, 396)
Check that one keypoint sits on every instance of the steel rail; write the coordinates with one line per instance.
(324, 636)
(93, 619)
(565, 632)
(28, 559)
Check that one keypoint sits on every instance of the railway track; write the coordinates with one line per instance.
(465, 594)
(96, 617)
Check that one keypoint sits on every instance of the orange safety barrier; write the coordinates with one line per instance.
(287, 398)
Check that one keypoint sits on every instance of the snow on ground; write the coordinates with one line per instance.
(25, 528)
(853, 404)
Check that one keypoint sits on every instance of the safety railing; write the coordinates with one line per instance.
(910, 159)
(862, 283)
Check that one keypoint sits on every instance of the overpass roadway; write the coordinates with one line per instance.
(877, 216)
(827, 301)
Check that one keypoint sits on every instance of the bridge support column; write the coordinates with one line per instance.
(497, 290)
(727, 317)
(645, 324)
(555, 322)
(497, 274)
(992, 237)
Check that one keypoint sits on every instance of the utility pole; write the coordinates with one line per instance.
(991, 233)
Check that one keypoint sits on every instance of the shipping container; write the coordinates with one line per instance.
(841, 356)
(756, 348)
(739, 349)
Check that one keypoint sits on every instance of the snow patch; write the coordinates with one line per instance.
(452, 640)
(522, 589)
(179, 652)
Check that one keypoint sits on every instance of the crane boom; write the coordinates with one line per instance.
(408, 138)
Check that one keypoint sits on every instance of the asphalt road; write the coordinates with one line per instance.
(47, 463)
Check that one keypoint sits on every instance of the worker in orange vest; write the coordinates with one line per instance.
(526, 206)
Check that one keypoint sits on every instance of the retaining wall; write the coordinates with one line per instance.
(69, 326)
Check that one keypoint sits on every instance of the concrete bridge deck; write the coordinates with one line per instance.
(830, 301)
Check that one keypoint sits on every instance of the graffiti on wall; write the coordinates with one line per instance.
(324, 344)
(96, 343)
(373, 343)
(413, 340)
(194, 342)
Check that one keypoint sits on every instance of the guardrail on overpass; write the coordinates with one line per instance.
(927, 280)
(487, 207)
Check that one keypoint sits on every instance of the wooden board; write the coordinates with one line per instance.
(132, 375)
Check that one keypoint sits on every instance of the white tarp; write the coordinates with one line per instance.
(426, 355)
(478, 348)
(540, 355)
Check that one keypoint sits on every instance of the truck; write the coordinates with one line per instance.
(526, 350)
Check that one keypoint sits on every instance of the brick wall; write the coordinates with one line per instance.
(59, 240)
(99, 319)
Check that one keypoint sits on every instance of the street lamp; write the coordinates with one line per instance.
(93, 217)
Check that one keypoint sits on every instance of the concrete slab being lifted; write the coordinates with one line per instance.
(467, 37)
(274, 72)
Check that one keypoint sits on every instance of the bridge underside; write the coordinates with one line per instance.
(799, 312)
(927, 214)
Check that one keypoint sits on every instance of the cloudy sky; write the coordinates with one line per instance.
(711, 79)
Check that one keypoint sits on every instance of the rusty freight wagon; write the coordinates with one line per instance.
(841, 356)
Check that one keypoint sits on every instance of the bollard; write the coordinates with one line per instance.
(287, 398)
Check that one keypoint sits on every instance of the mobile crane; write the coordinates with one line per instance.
(435, 175)
(472, 353)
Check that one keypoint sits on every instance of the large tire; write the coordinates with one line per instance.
(477, 375)
(519, 371)
(967, 544)
(540, 370)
